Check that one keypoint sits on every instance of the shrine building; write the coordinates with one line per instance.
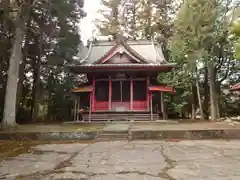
(121, 79)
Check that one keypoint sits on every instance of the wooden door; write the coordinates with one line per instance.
(121, 95)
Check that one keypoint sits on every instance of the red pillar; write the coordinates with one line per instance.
(131, 94)
(151, 107)
(148, 93)
(90, 106)
(110, 94)
(92, 99)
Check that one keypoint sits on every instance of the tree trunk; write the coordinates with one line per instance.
(9, 116)
(193, 102)
(163, 107)
(199, 97)
(218, 94)
(22, 66)
(148, 29)
(36, 83)
(49, 88)
(206, 95)
(49, 105)
(134, 22)
(218, 109)
(20, 83)
(213, 96)
(35, 92)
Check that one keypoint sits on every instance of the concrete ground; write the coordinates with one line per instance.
(159, 126)
(122, 160)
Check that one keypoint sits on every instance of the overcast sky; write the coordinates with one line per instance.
(86, 24)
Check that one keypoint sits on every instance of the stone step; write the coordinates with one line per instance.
(118, 116)
(111, 139)
(113, 115)
(112, 136)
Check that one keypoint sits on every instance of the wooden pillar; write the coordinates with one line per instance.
(79, 99)
(131, 94)
(90, 106)
(148, 92)
(92, 99)
(77, 111)
(151, 106)
(110, 94)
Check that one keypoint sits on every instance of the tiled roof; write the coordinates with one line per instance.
(151, 53)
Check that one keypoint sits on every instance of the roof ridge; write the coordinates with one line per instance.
(136, 54)
(111, 42)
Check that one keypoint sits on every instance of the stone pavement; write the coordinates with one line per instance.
(160, 126)
(122, 160)
(116, 127)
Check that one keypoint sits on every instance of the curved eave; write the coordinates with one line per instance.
(82, 89)
(235, 87)
(121, 67)
(162, 88)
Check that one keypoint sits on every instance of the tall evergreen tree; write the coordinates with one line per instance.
(110, 24)
(50, 38)
(235, 30)
(23, 10)
(144, 19)
(201, 36)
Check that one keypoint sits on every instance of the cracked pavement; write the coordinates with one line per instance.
(122, 160)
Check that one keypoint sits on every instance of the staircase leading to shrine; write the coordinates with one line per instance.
(116, 116)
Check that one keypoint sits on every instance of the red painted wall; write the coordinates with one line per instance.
(100, 106)
(111, 106)
(104, 106)
(140, 105)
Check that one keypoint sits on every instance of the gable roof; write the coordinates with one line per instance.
(121, 47)
(145, 51)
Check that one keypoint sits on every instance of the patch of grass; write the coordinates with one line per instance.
(12, 148)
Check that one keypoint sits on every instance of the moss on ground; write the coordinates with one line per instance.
(55, 128)
(12, 148)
